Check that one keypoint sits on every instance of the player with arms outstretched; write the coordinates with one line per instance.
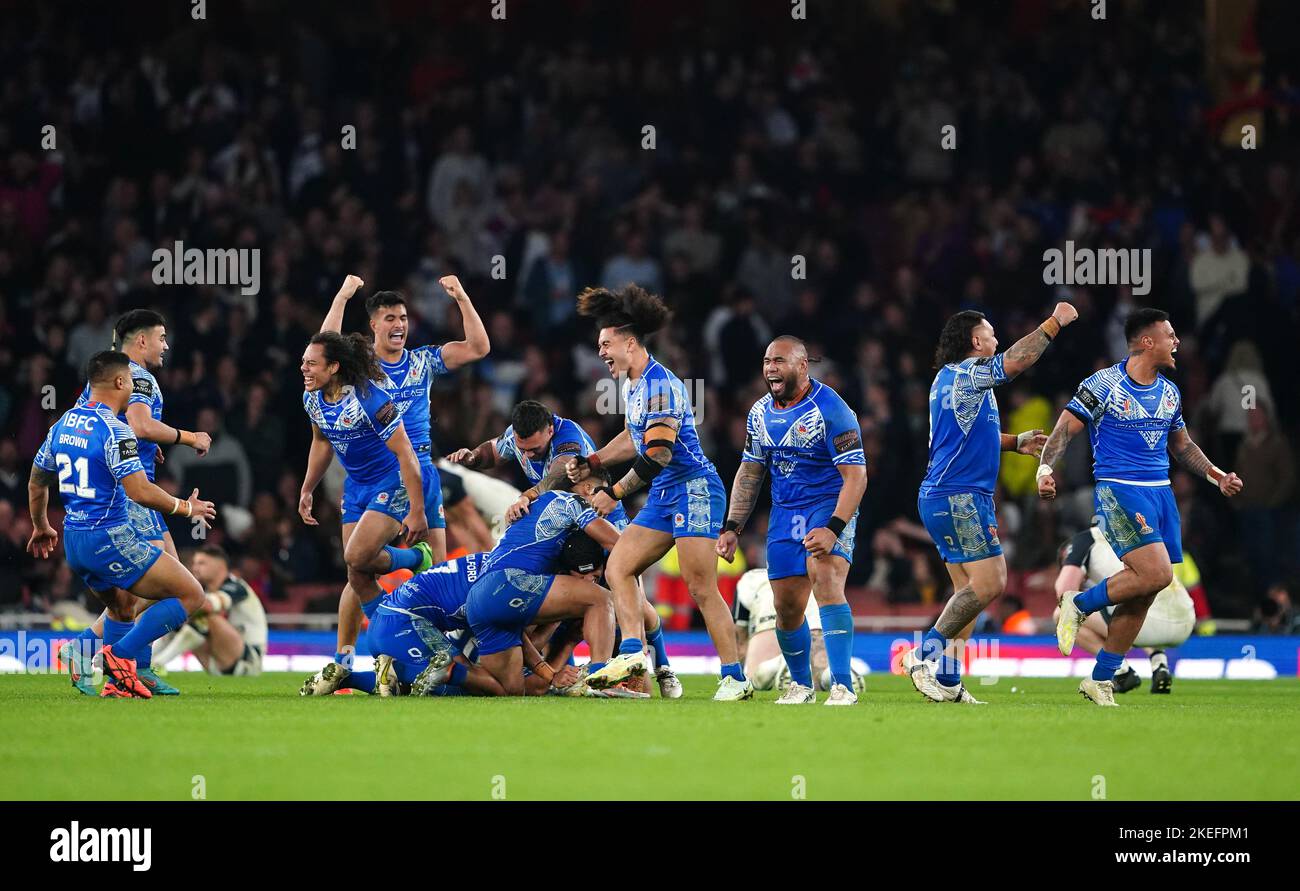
(811, 440)
(353, 415)
(540, 442)
(94, 459)
(1134, 417)
(142, 336)
(408, 378)
(955, 501)
(686, 501)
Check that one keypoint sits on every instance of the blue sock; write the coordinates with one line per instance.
(796, 647)
(458, 674)
(837, 632)
(371, 606)
(656, 639)
(932, 645)
(631, 645)
(157, 620)
(403, 558)
(1093, 599)
(359, 680)
(949, 672)
(87, 642)
(115, 631)
(447, 690)
(732, 670)
(1107, 665)
(345, 656)
(594, 666)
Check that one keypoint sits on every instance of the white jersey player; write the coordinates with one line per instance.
(230, 636)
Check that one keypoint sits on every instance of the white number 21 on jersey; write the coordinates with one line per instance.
(82, 465)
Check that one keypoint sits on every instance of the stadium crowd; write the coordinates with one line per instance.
(794, 182)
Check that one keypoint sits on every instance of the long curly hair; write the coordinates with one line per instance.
(630, 308)
(954, 339)
(358, 364)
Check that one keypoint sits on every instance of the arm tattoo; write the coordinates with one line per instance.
(745, 490)
(1189, 454)
(1025, 351)
(554, 477)
(1057, 442)
(632, 482)
(42, 477)
(962, 608)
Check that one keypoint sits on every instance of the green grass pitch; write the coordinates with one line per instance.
(254, 738)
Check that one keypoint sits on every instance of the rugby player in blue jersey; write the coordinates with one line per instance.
(540, 443)
(1134, 417)
(142, 336)
(408, 378)
(686, 499)
(955, 501)
(353, 415)
(94, 459)
(811, 440)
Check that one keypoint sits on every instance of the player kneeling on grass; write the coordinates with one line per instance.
(229, 636)
(1168, 623)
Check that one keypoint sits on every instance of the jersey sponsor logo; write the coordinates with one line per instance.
(848, 441)
(386, 414)
(128, 449)
(142, 386)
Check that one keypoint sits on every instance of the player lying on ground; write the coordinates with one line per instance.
(955, 501)
(94, 458)
(1087, 557)
(229, 635)
(383, 496)
(142, 336)
(755, 616)
(686, 500)
(407, 376)
(1134, 416)
(540, 443)
(810, 439)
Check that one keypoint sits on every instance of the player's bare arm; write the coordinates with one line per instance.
(1027, 350)
(602, 531)
(1189, 455)
(482, 457)
(1030, 442)
(1067, 427)
(476, 344)
(617, 450)
(556, 476)
(318, 461)
(334, 318)
(416, 524)
(821, 541)
(660, 437)
(141, 491)
(44, 536)
(745, 489)
(145, 426)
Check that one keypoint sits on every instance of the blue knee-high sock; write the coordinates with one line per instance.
(88, 643)
(359, 680)
(932, 645)
(837, 631)
(1107, 665)
(1093, 599)
(114, 631)
(371, 606)
(631, 645)
(796, 647)
(157, 620)
(403, 558)
(656, 639)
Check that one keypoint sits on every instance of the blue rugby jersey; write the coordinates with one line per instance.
(965, 428)
(439, 594)
(657, 394)
(1129, 425)
(408, 384)
(144, 391)
(534, 542)
(358, 426)
(92, 452)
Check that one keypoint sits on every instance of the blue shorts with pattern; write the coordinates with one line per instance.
(693, 509)
(786, 528)
(501, 604)
(963, 526)
(116, 557)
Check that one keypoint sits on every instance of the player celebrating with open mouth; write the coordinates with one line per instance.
(686, 500)
(1134, 416)
(955, 501)
(810, 438)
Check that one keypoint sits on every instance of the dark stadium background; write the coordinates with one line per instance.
(774, 137)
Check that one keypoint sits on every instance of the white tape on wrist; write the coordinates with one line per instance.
(1043, 470)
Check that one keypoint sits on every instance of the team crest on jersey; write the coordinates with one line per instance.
(679, 520)
(382, 498)
(1142, 522)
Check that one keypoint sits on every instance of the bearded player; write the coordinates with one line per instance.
(810, 439)
(408, 378)
(955, 501)
(1134, 416)
(686, 500)
(142, 336)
